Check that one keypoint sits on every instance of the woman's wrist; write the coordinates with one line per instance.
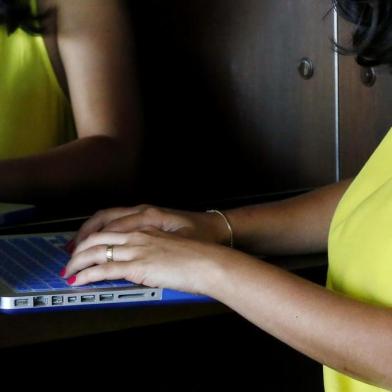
(213, 272)
(220, 228)
(221, 273)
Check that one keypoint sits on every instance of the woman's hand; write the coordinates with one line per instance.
(197, 225)
(152, 258)
(351, 337)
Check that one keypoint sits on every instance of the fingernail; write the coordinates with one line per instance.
(62, 272)
(71, 280)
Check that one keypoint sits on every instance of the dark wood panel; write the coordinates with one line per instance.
(224, 101)
(365, 112)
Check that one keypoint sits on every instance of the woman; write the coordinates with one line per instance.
(69, 122)
(348, 326)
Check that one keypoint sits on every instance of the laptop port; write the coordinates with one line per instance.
(131, 295)
(40, 301)
(21, 302)
(72, 299)
(106, 297)
(57, 300)
(87, 298)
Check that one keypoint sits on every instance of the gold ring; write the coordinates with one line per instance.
(109, 253)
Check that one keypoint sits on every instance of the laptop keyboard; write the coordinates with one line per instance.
(33, 264)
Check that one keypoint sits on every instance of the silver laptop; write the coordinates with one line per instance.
(29, 277)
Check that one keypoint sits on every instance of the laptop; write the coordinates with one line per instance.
(30, 281)
(29, 277)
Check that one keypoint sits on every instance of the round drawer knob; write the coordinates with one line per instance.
(306, 68)
(368, 76)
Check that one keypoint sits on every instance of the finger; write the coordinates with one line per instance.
(112, 271)
(96, 255)
(101, 238)
(150, 232)
(104, 217)
(98, 221)
(113, 238)
(150, 217)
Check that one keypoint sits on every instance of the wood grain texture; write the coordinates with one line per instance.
(224, 101)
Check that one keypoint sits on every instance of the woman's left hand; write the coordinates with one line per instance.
(152, 258)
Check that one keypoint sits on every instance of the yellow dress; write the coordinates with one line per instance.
(35, 115)
(360, 247)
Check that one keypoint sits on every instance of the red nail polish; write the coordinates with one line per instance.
(62, 272)
(71, 280)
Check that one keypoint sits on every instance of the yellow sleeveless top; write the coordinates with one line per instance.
(35, 115)
(360, 246)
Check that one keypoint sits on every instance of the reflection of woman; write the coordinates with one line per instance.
(347, 327)
(68, 107)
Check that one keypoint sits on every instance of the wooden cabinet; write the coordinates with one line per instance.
(226, 111)
(224, 101)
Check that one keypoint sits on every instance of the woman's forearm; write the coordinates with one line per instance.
(349, 336)
(96, 165)
(294, 226)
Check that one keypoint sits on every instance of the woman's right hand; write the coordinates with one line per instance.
(196, 225)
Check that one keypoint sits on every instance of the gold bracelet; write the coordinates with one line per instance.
(227, 224)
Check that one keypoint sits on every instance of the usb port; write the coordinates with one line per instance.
(72, 299)
(87, 298)
(21, 302)
(57, 300)
(106, 297)
(40, 301)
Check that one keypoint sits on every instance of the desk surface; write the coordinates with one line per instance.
(16, 330)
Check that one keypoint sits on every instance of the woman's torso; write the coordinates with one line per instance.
(360, 246)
